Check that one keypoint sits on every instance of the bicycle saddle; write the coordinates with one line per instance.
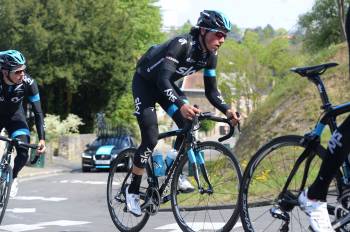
(310, 71)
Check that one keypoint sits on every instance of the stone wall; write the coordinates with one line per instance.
(71, 146)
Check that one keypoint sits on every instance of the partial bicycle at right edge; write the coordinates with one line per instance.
(210, 167)
(283, 167)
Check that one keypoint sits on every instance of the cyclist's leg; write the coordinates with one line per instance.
(338, 149)
(18, 128)
(147, 120)
(174, 112)
(313, 201)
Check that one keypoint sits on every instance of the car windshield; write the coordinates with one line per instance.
(118, 142)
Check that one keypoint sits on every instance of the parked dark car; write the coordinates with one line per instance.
(100, 153)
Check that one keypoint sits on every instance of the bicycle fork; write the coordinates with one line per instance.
(196, 159)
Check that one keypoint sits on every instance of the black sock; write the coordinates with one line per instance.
(135, 184)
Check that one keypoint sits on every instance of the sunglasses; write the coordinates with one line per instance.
(19, 71)
(220, 35)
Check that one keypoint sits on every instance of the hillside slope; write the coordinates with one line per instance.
(294, 106)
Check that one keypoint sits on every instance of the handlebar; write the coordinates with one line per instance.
(210, 116)
(17, 143)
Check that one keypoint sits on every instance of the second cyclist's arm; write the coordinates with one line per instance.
(34, 99)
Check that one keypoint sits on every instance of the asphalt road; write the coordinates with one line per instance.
(69, 202)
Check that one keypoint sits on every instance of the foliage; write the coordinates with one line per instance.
(123, 114)
(322, 25)
(248, 69)
(185, 28)
(293, 105)
(83, 52)
(55, 127)
(207, 125)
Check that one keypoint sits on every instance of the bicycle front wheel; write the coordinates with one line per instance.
(5, 188)
(214, 210)
(263, 208)
(118, 179)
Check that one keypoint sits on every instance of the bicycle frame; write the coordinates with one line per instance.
(187, 145)
(312, 139)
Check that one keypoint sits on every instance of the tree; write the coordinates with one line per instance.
(324, 24)
(83, 52)
(341, 10)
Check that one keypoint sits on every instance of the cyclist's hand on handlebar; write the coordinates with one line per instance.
(188, 111)
(234, 116)
(41, 146)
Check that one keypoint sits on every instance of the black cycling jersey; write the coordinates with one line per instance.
(181, 56)
(154, 82)
(11, 100)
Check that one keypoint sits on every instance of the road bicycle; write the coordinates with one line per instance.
(283, 167)
(208, 165)
(6, 170)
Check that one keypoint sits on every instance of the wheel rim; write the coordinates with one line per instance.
(209, 212)
(124, 220)
(267, 176)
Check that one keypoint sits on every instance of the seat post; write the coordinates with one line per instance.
(316, 79)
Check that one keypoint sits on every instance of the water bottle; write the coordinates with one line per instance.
(158, 163)
(170, 157)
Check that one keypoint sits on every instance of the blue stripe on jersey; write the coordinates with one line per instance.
(209, 72)
(19, 132)
(34, 98)
(172, 109)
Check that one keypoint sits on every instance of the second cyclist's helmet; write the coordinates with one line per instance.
(11, 59)
(214, 20)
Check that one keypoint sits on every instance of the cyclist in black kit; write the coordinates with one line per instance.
(15, 84)
(313, 200)
(156, 72)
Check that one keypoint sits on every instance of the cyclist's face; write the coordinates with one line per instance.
(17, 75)
(214, 39)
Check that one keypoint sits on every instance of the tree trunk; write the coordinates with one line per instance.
(342, 16)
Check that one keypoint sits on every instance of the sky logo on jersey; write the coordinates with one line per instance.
(190, 60)
(183, 41)
(170, 94)
(186, 71)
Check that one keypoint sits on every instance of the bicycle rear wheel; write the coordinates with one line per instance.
(118, 179)
(5, 188)
(262, 207)
(215, 211)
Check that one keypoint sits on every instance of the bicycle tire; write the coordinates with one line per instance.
(121, 169)
(5, 189)
(264, 179)
(209, 212)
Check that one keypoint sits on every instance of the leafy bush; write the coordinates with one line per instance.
(55, 127)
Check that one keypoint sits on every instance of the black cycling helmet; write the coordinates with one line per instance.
(214, 20)
(11, 59)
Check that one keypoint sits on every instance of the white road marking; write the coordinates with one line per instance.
(197, 226)
(22, 210)
(32, 198)
(85, 182)
(39, 226)
(82, 182)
